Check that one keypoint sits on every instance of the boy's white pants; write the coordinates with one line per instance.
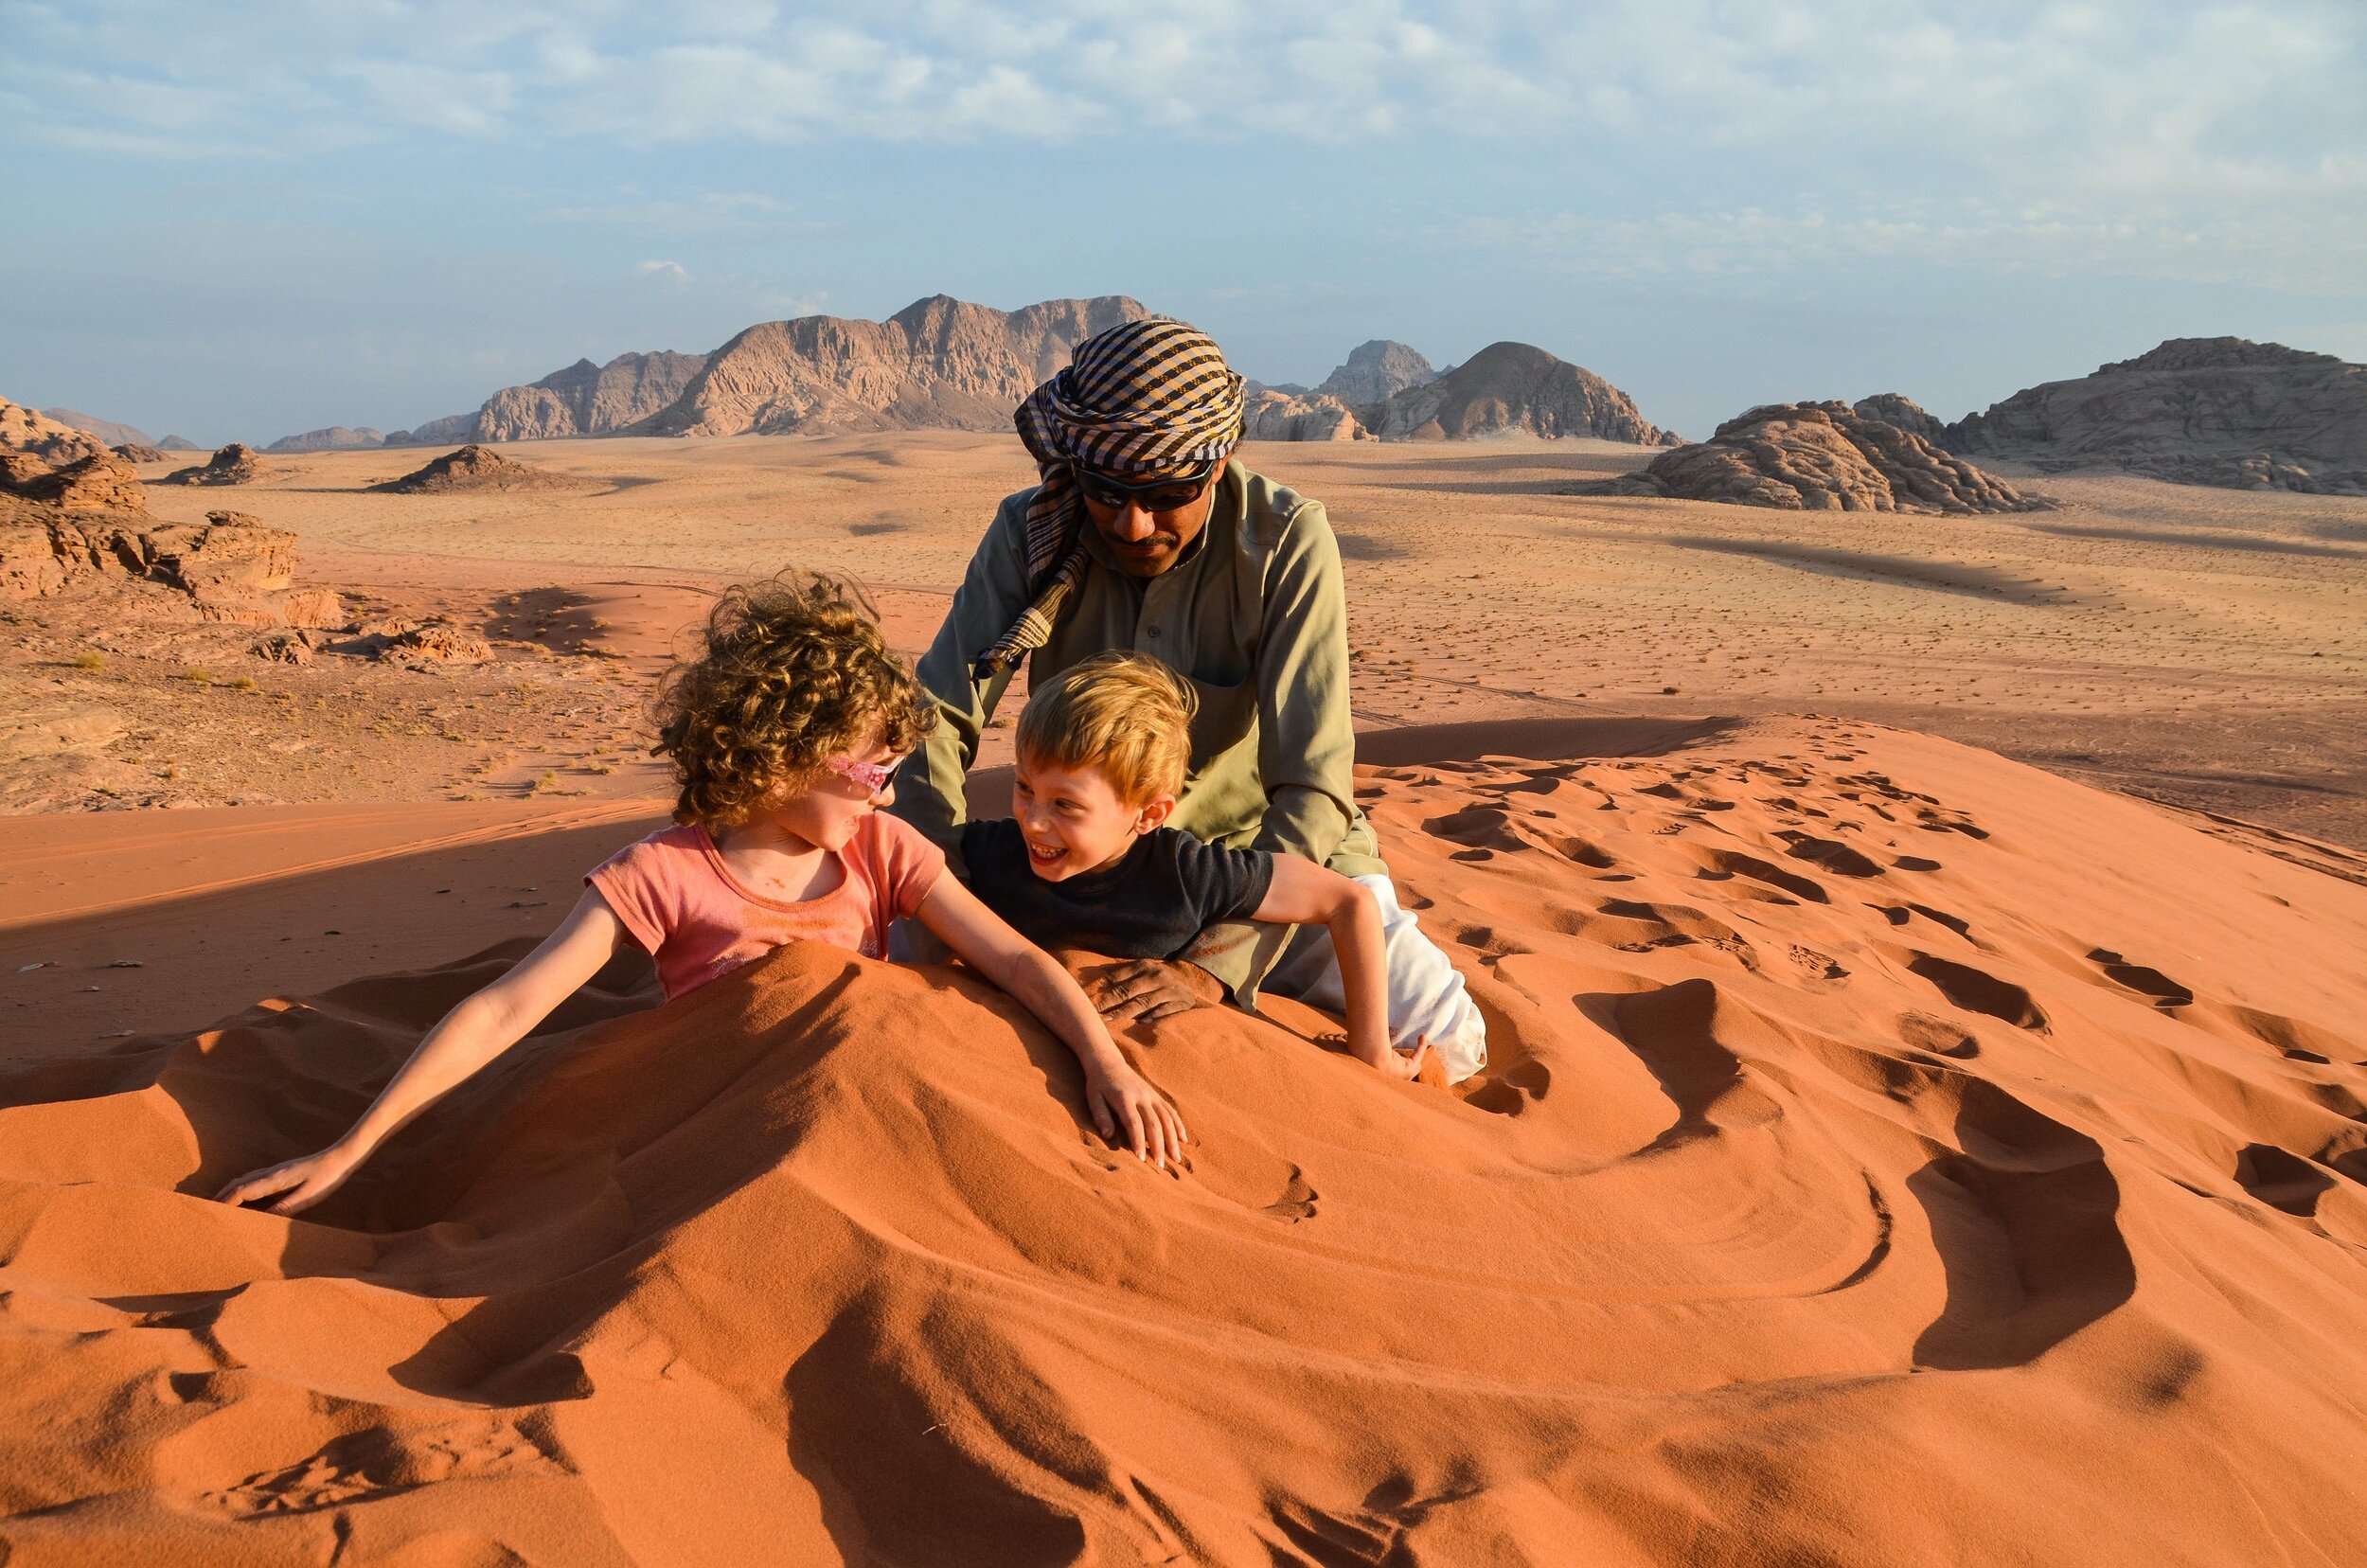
(1425, 996)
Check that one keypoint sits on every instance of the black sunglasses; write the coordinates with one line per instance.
(1156, 495)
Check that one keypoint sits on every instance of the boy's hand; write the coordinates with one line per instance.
(1126, 1108)
(1142, 990)
(306, 1181)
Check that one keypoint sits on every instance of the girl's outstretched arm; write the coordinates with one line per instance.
(1122, 1101)
(1303, 893)
(473, 1034)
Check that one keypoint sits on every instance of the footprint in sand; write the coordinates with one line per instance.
(2165, 993)
(1975, 990)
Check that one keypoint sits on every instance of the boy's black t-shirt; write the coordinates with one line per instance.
(1166, 890)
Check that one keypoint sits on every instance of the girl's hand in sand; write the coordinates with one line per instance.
(1402, 1063)
(305, 1180)
(1126, 1109)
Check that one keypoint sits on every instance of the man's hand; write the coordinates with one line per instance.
(1402, 1063)
(1142, 990)
(305, 1180)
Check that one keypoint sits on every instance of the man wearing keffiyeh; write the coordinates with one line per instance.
(1144, 533)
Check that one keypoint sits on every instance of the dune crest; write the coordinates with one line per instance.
(1873, 1167)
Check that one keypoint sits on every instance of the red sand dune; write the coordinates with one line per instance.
(1892, 1154)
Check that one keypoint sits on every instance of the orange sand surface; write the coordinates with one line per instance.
(1891, 1154)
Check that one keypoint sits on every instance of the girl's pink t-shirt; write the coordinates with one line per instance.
(680, 902)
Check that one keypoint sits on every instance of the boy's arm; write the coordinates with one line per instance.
(1119, 1097)
(1303, 893)
(473, 1034)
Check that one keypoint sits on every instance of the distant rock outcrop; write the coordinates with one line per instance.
(1377, 371)
(132, 454)
(2218, 411)
(29, 431)
(180, 443)
(1274, 416)
(443, 432)
(110, 431)
(1819, 456)
(938, 363)
(587, 399)
(1896, 408)
(101, 482)
(236, 464)
(331, 439)
(1513, 387)
(475, 468)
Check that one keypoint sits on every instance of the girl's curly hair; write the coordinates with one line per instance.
(795, 671)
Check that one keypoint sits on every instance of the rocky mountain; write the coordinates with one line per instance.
(1276, 415)
(583, 399)
(2220, 411)
(110, 431)
(938, 363)
(1896, 408)
(443, 432)
(1375, 372)
(1819, 456)
(31, 431)
(1513, 387)
(332, 438)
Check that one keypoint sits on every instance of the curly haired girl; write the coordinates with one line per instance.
(785, 736)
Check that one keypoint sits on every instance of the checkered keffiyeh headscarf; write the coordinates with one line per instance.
(1139, 399)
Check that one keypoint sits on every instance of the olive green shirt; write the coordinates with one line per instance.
(1254, 613)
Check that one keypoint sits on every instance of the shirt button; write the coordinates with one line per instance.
(1154, 631)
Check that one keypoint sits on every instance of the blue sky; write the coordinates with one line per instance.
(239, 222)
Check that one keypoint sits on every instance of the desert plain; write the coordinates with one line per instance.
(1925, 1122)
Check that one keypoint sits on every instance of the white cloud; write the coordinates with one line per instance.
(2178, 138)
(670, 271)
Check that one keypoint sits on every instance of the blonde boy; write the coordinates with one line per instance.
(1086, 860)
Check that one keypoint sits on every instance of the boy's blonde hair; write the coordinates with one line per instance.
(1126, 716)
(794, 672)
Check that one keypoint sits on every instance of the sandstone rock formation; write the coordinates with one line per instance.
(1274, 416)
(1819, 456)
(1513, 387)
(110, 431)
(133, 452)
(474, 468)
(586, 399)
(331, 439)
(1896, 408)
(236, 464)
(938, 363)
(83, 524)
(26, 431)
(443, 432)
(1377, 371)
(2201, 411)
(101, 482)
(436, 641)
(179, 443)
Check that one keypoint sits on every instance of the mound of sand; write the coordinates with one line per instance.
(2197, 411)
(1513, 387)
(1819, 456)
(475, 468)
(236, 464)
(1875, 1166)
